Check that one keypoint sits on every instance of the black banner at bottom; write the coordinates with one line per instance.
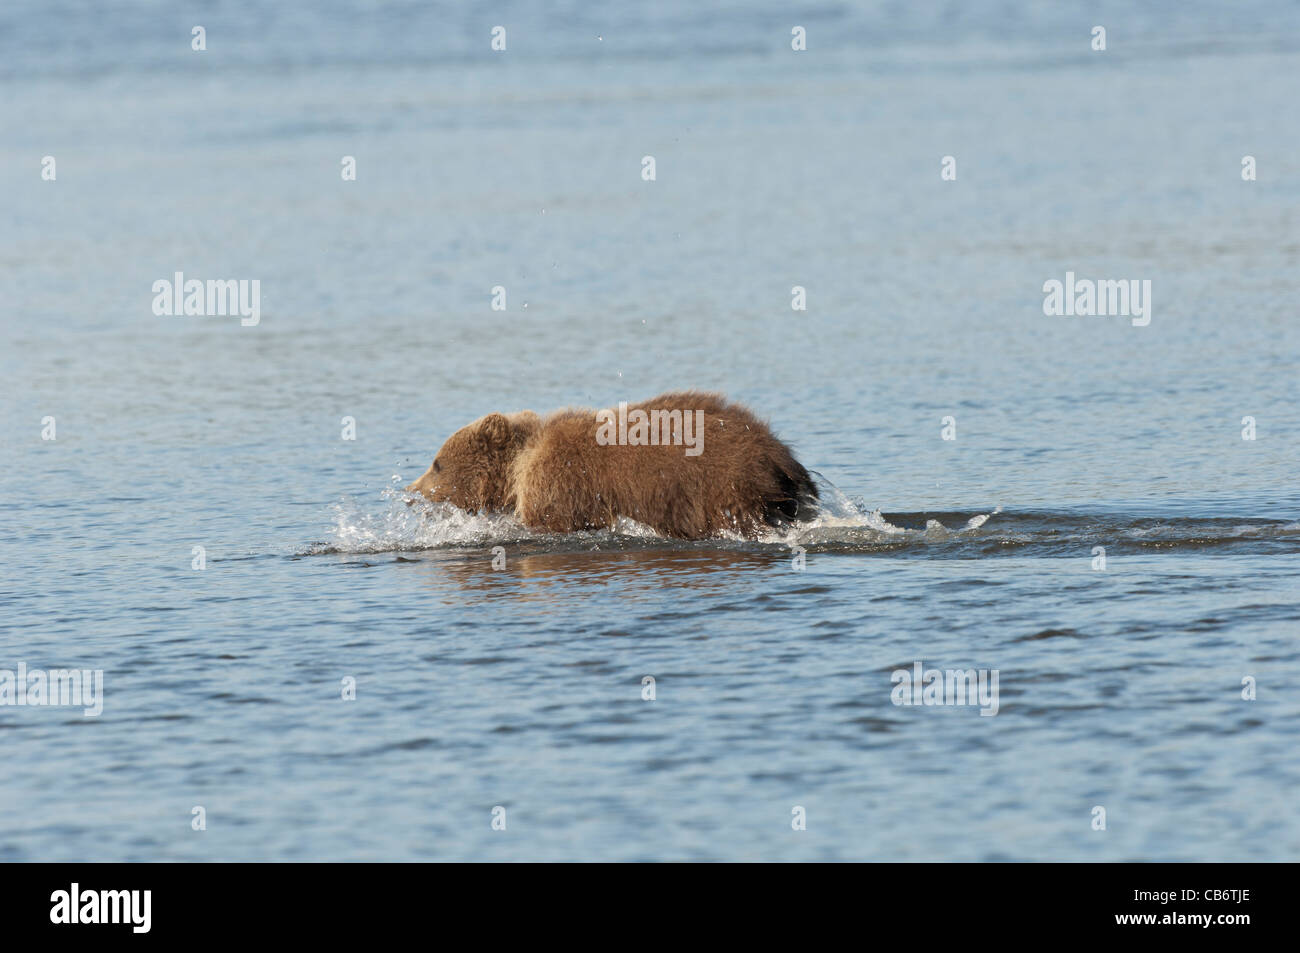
(336, 902)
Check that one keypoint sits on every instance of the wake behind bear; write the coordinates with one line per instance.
(687, 464)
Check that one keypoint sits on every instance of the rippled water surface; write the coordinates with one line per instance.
(1099, 532)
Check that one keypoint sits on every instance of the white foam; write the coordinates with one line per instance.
(420, 525)
(407, 523)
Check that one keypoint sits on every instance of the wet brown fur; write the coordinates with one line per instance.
(554, 476)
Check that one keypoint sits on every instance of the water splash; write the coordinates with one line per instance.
(404, 524)
(842, 524)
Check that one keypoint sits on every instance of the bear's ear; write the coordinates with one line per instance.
(495, 429)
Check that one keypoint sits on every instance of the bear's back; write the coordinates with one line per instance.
(743, 477)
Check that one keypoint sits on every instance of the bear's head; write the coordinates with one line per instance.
(472, 470)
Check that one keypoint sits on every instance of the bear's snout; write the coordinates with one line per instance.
(423, 486)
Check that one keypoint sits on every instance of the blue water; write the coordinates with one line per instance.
(521, 687)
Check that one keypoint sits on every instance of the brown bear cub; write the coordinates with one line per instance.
(687, 464)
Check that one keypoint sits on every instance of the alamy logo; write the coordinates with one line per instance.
(103, 906)
(656, 428)
(922, 686)
(213, 297)
(59, 687)
(1128, 297)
